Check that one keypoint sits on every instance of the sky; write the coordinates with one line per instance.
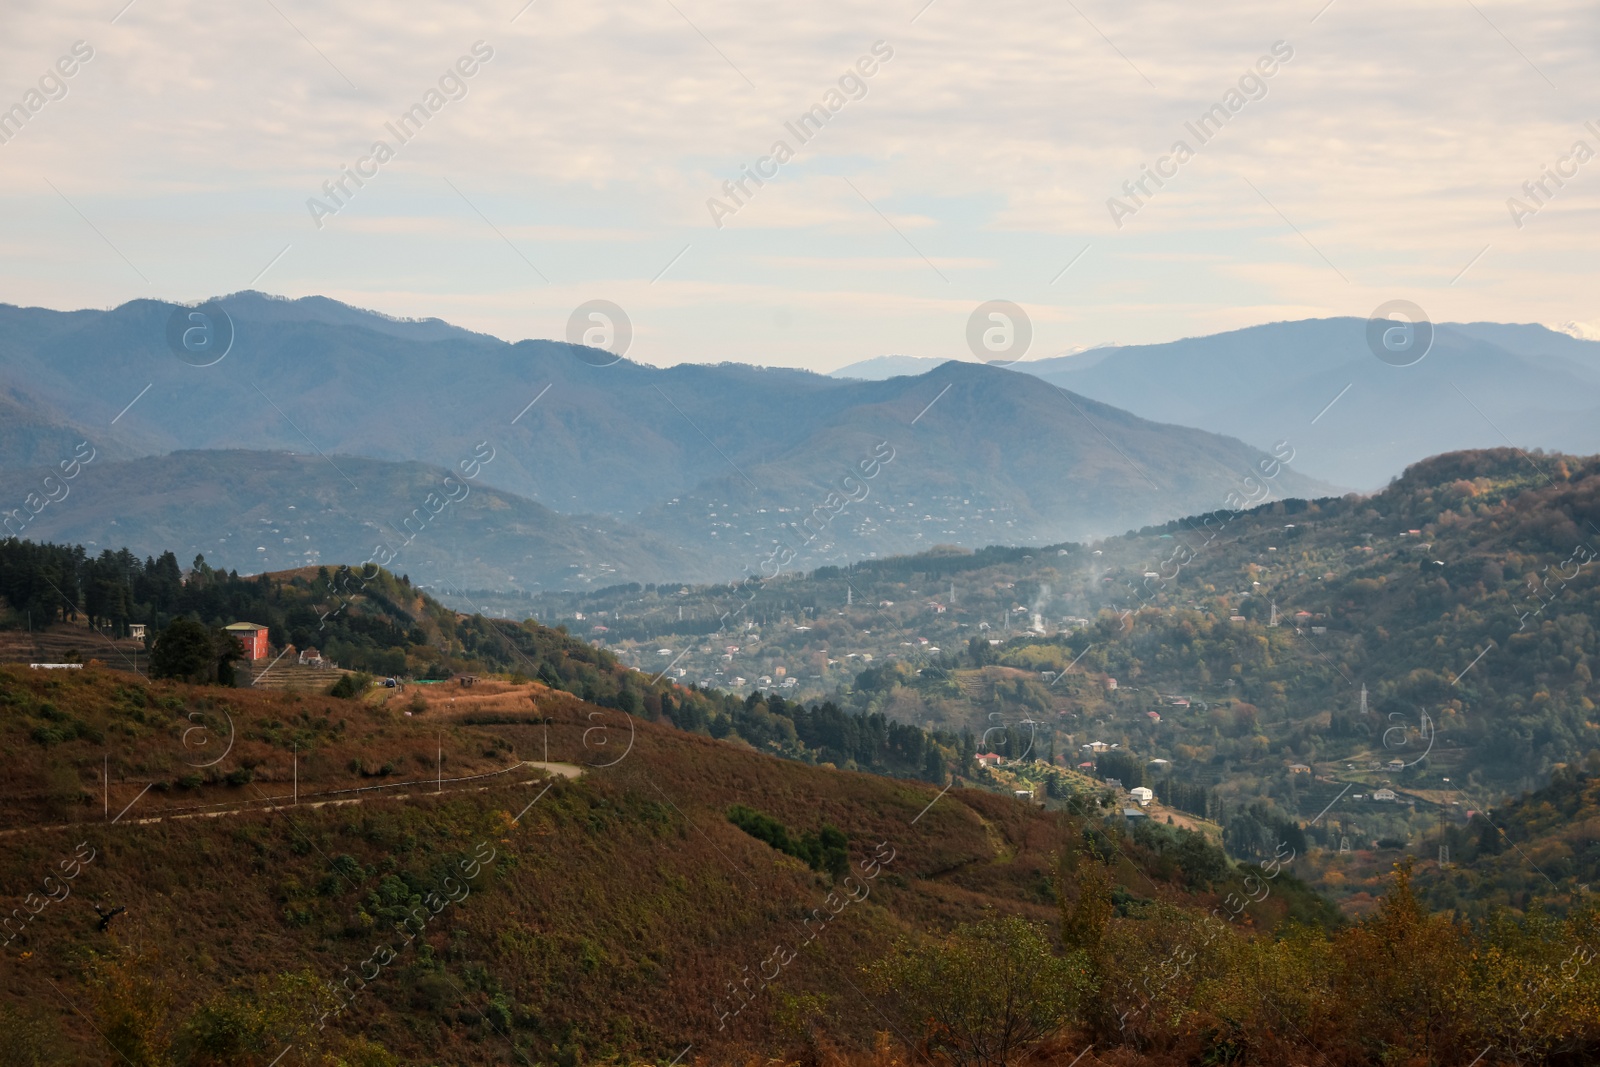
(585, 158)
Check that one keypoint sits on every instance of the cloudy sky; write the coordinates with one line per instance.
(975, 163)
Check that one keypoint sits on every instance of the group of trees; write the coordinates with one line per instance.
(377, 624)
(188, 651)
(1184, 985)
(1185, 796)
(825, 849)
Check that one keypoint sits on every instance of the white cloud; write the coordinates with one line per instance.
(990, 141)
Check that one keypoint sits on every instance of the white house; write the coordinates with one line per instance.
(1383, 794)
(1143, 795)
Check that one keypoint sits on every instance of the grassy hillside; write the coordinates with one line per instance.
(625, 886)
(369, 620)
(621, 915)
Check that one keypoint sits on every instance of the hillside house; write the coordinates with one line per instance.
(989, 759)
(1384, 794)
(1142, 794)
(1299, 768)
(136, 631)
(252, 636)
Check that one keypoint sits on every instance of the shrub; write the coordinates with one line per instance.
(986, 992)
(350, 685)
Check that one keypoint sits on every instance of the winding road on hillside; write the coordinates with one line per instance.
(268, 804)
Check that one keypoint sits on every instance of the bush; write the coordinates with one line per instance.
(984, 993)
(350, 686)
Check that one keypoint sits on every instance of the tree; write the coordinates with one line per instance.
(349, 686)
(985, 993)
(32, 1038)
(184, 650)
(247, 1024)
(226, 648)
(981, 652)
(130, 1000)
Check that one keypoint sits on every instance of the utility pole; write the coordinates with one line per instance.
(439, 784)
(297, 773)
(105, 778)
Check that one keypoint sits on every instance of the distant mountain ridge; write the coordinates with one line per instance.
(1354, 419)
(722, 462)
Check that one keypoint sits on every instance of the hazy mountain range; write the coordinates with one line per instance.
(702, 472)
(1480, 385)
(719, 464)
